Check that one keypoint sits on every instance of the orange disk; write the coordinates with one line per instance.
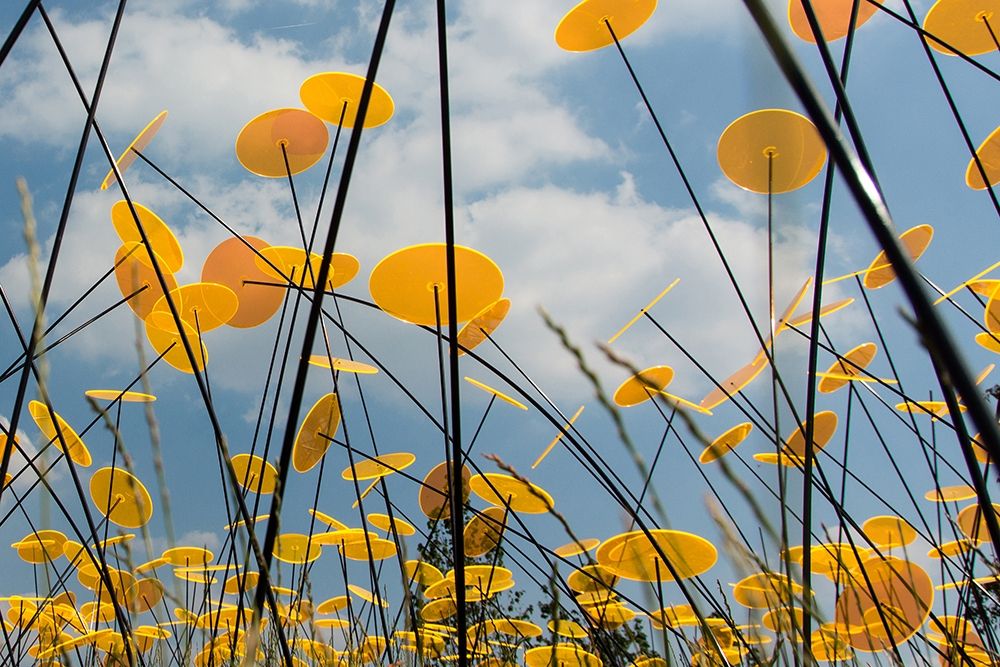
(310, 446)
(483, 531)
(116, 395)
(833, 16)
(633, 556)
(383, 522)
(824, 426)
(962, 24)
(592, 579)
(133, 271)
(842, 370)
(231, 263)
(296, 548)
(380, 549)
(403, 283)
(140, 142)
(499, 394)
(52, 425)
(204, 306)
(188, 556)
(145, 594)
(914, 241)
(560, 654)
(379, 466)
(951, 494)
(576, 548)
(329, 94)
(766, 590)
(989, 156)
(788, 140)
(121, 497)
(483, 324)
(161, 239)
(991, 315)
(972, 523)
(291, 262)
(887, 532)
(255, 474)
(643, 386)
(583, 27)
(726, 442)
(500, 490)
(161, 331)
(835, 561)
(829, 308)
(258, 146)
(342, 365)
(734, 383)
(434, 490)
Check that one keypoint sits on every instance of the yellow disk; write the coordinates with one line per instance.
(310, 446)
(914, 241)
(950, 549)
(379, 466)
(403, 284)
(834, 561)
(833, 16)
(255, 474)
(583, 27)
(783, 621)
(962, 24)
(342, 365)
(991, 315)
(843, 370)
(231, 263)
(330, 94)
(633, 556)
(483, 531)
(824, 426)
(734, 383)
(328, 520)
(204, 306)
(557, 438)
(788, 140)
(53, 426)
(951, 494)
(116, 395)
(133, 272)
(292, 263)
(296, 548)
(140, 143)
(766, 590)
(367, 595)
(972, 523)
(483, 324)
(989, 156)
(258, 146)
(188, 556)
(561, 655)
(567, 628)
(500, 490)
(643, 386)
(332, 605)
(145, 594)
(374, 549)
(383, 522)
(829, 308)
(499, 394)
(161, 331)
(433, 494)
(422, 573)
(161, 239)
(439, 610)
(726, 442)
(591, 579)
(889, 531)
(121, 497)
(241, 583)
(576, 548)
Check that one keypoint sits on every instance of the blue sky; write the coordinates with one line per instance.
(560, 178)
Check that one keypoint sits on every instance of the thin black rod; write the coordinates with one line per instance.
(18, 28)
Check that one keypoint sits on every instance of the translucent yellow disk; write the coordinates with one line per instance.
(145, 594)
(291, 262)
(423, 573)
(483, 324)
(788, 140)
(123, 396)
(989, 156)
(384, 522)
(332, 605)
(567, 628)
(575, 548)
(161, 239)
(433, 494)
(766, 590)
(296, 548)
(231, 263)
(499, 394)
(643, 385)
(379, 466)
(330, 94)
(133, 271)
(367, 595)
(501, 490)
(843, 370)
(633, 556)
(53, 426)
(403, 284)
(726, 442)
(563, 655)
(950, 549)
(482, 532)
(439, 610)
(961, 24)
(161, 331)
(258, 146)
(310, 446)
(734, 383)
(328, 520)
(806, 318)
(592, 579)
(583, 27)
(824, 426)
(374, 549)
(121, 497)
(833, 16)
(889, 531)
(914, 241)
(948, 494)
(188, 556)
(255, 474)
(342, 365)
(204, 306)
(972, 522)
(835, 560)
(140, 143)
